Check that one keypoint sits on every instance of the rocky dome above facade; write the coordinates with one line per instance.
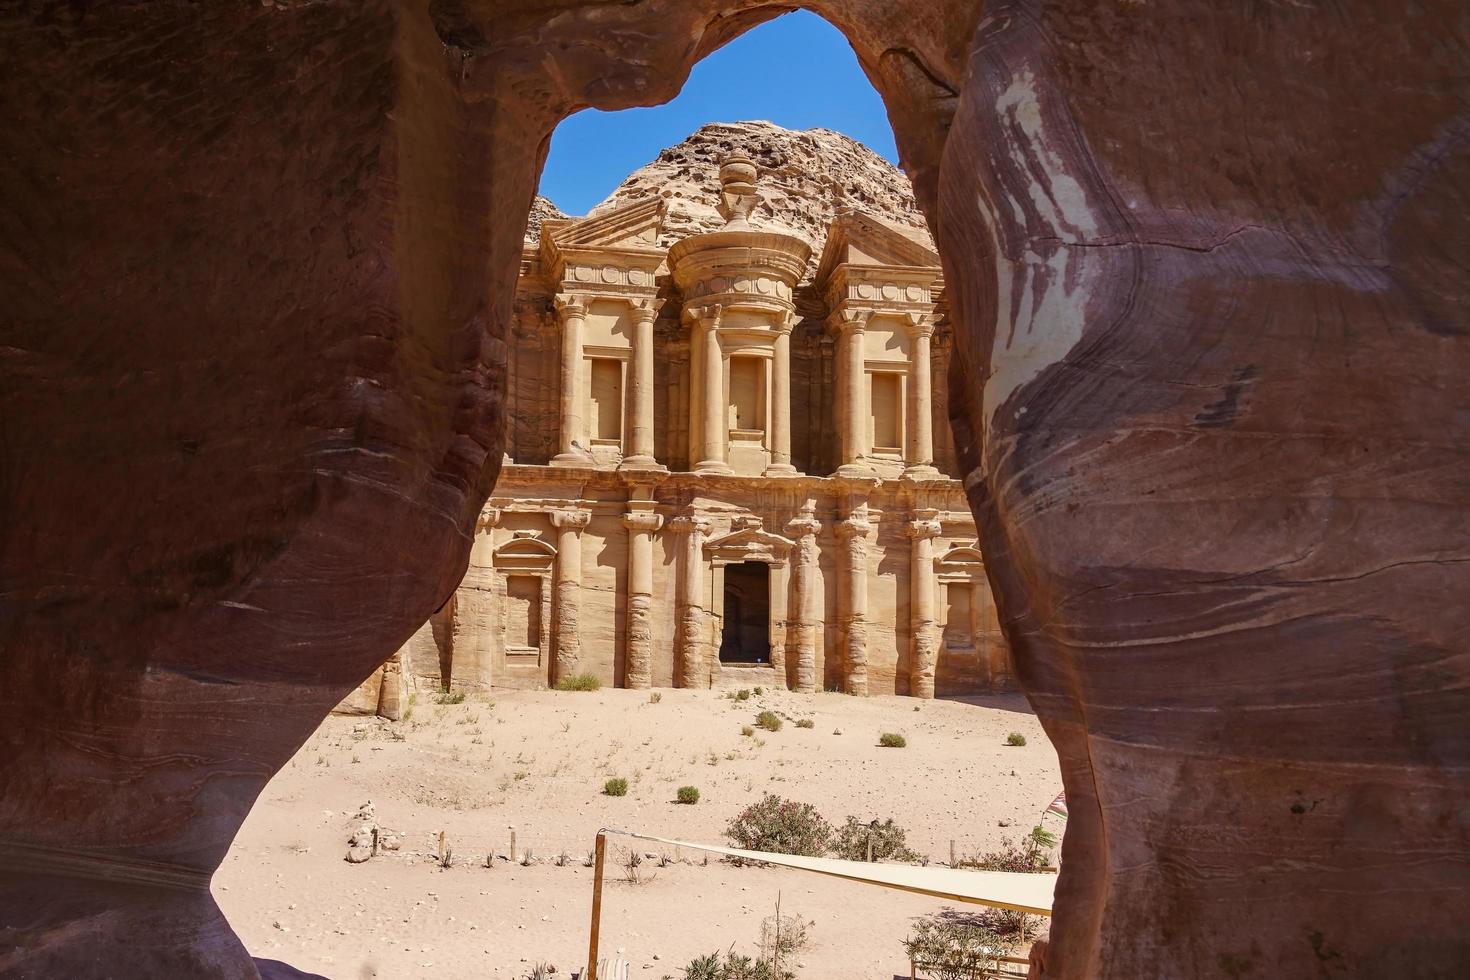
(806, 178)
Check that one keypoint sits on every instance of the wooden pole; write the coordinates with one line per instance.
(512, 845)
(596, 907)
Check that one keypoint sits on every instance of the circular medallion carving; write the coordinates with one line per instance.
(915, 294)
(890, 291)
(583, 274)
(865, 290)
(742, 284)
(611, 273)
(783, 290)
(720, 284)
(765, 286)
(637, 276)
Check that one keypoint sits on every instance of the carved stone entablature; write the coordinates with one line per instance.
(748, 544)
(615, 252)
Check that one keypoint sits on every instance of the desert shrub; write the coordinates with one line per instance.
(579, 682)
(783, 937)
(732, 966)
(1015, 738)
(1026, 855)
(957, 946)
(747, 731)
(617, 786)
(768, 720)
(759, 691)
(805, 723)
(889, 841)
(892, 740)
(742, 695)
(449, 697)
(781, 827)
(687, 794)
(655, 697)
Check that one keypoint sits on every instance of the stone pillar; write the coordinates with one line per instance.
(781, 403)
(715, 429)
(693, 652)
(574, 445)
(805, 529)
(854, 394)
(921, 401)
(390, 689)
(639, 447)
(568, 642)
(854, 532)
(925, 645)
(641, 524)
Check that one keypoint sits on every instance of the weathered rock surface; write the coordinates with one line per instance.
(806, 178)
(542, 209)
(1206, 266)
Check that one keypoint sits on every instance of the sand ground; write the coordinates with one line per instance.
(537, 760)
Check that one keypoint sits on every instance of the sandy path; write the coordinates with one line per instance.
(537, 760)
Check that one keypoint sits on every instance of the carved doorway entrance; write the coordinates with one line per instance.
(746, 635)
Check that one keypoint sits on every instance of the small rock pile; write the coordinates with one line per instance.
(367, 837)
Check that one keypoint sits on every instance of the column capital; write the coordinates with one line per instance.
(574, 519)
(852, 321)
(489, 518)
(922, 530)
(643, 309)
(708, 315)
(803, 525)
(571, 304)
(920, 324)
(642, 520)
(856, 526)
(786, 323)
(687, 524)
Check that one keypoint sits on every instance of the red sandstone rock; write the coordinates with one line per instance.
(1207, 259)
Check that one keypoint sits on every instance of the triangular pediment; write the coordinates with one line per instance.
(859, 239)
(633, 226)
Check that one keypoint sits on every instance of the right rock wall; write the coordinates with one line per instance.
(1211, 365)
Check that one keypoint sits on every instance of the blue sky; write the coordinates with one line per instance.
(796, 71)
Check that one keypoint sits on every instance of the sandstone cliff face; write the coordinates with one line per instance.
(1210, 357)
(806, 178)
(542, 209)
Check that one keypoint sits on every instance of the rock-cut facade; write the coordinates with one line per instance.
(729, 465)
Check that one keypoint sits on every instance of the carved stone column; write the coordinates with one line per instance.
(781, 403)
(641, 525)
(640, 390)
(805, 528)
(854, 394)
(574, 441)
(693, 651)
(714, 427)
(854, 533)
(923, 529)
(921, 401)
(569, 526)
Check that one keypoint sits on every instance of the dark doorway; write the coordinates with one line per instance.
(746, 637)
